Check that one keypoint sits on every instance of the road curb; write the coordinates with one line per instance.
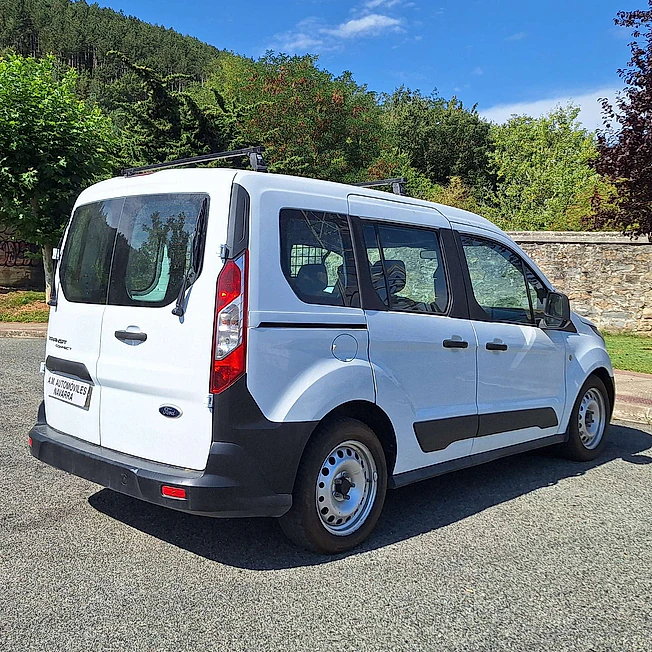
(23, 330)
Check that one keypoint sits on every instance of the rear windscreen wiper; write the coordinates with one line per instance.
(196, 259)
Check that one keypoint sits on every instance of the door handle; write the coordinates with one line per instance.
(125, 336)
(495, 346)
(455, 344)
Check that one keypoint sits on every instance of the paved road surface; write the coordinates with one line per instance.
(530, 553)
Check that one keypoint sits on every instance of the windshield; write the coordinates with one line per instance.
(130, 251)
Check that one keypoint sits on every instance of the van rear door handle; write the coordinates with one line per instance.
(495, 346)
(131, 336)
(455, 344)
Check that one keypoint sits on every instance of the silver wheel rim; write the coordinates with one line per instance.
(592, 418)
(346, 488)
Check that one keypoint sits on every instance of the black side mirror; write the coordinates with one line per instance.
(556, 310)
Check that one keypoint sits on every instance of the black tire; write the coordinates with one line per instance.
(574, 448)
(303, 524)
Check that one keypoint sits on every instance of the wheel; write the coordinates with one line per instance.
(588, 423)
(340, 489)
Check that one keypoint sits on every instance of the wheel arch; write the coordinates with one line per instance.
(608, 382)
(373, 417)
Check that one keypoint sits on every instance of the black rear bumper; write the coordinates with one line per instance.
(231, 485)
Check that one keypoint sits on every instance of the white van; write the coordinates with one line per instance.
(231, 343)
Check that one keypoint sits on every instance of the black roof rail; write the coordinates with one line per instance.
(255, 155)
(398, 185)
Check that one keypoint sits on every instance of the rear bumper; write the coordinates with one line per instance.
(230, 486)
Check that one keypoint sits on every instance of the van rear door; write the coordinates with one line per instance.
(72, 393)
(154, 366)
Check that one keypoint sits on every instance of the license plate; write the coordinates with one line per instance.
(68, 390)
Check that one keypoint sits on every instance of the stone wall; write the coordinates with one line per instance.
(607, 276)
(18, 269)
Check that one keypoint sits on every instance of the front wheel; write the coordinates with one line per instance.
(589, 421)
(340, 489)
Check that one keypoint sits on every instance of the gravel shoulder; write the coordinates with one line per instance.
(527, 553)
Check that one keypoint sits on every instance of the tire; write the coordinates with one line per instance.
(340, 488)
(589, 421)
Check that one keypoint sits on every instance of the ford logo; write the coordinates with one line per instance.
(170, 411)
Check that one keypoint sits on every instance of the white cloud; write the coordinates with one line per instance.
(374, 4)
(519, 36)
(314, 35)
(370, 25)
(478, 71)
(590, 114)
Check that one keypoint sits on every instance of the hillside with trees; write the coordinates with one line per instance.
(161, 95)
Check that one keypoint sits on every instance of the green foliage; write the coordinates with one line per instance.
(310, 122)
(164, 124)
(24, 307)
(544, 174)
(80, 35)
(52, 145)
(441, 138)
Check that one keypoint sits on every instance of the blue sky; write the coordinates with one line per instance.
(505, 55)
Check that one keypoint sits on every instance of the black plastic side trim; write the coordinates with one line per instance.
(369, 298)
(459, 307)
(274, 448)
(282, 324)
(495, 422)
(237, 239)
(427, 472)
(69, 368)
(438, 434)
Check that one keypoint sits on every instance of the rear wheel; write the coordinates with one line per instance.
(340, 489)
(589, 422)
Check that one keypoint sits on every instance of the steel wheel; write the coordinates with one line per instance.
(346, 488)
(592, 418)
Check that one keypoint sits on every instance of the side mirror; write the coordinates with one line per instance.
(556, 310)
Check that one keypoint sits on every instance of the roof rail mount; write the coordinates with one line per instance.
(255, 155)
(398, 185)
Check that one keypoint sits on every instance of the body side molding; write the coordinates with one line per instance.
(460, 463)
(438, 434)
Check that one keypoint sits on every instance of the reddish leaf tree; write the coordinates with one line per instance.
(625, 144)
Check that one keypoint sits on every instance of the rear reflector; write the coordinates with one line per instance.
(29, 442)
(173, 492)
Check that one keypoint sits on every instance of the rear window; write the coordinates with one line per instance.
(131, 251)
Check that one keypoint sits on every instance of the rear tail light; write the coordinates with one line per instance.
(29, 442)
(229, 336)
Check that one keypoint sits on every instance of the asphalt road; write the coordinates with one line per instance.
(529, 553)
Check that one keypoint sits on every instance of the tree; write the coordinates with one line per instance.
(52, 145)
(625, 145)
(441, 138)
(544, 173)
(164, 124)
(310, 122)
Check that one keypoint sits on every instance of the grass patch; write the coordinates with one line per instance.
(23, 306)
(630, 352)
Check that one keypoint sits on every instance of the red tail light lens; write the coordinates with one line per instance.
(229, 334)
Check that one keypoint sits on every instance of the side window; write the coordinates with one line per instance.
(498, 281)
(317, 257)
(407, 269)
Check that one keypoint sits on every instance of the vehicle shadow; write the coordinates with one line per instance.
(259, 544)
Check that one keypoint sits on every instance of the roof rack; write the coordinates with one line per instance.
(398, 185)
(255, 155)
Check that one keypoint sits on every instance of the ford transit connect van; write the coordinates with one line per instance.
(231, 343)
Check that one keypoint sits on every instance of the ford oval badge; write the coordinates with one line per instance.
(170, 411)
